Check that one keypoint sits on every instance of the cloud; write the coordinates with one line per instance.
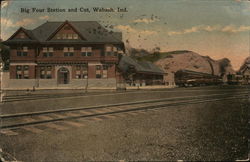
(145, 20)
(129, 29)
(147, 32)
(25, 22)
(5, 3)
(233, 29)
(125, 28)
(9, 23)
(200, 28)
(46, 17)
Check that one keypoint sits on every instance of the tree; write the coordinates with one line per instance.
(5, 55)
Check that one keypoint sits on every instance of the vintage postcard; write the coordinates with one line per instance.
(124, 80)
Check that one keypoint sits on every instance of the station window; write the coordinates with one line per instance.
(68, 51)
(115, 51)
(86, 51)
(45, 72)
(26, 72)
(82, 71)
(48, 72)
(19, 72)
(98, 71)
(105, 71)
(108, 50)
(22, 72)
(22, 51)
(48, 51)
(112, 51)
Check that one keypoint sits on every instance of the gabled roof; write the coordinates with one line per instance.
(92, 31)
(140, 66)
(29, 34)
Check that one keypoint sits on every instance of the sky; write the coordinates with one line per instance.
(214, 28)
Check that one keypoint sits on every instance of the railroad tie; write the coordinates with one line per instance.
(29, 119)
(120, 114)
(76, 124)
(8, 132)
(84, 112)
(96, 119)
(101, 111)
(110, 116)
(59, 115)
(33, 129)
(132, 113)
(45, 117)
(72, 114)
(56, 126)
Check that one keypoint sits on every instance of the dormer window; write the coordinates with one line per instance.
(22, 35)
(75, 36)
(86, 51)
(70, 36)
(58, 36)
(64, 36)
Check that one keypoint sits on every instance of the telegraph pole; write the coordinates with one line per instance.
(1, 77)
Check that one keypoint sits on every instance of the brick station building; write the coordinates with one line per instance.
(70, 54)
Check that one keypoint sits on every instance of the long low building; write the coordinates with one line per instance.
(140, 73)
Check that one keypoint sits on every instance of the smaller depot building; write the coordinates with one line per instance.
(140, 73)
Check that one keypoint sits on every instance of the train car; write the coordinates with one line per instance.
(186, 78)
(235, 79)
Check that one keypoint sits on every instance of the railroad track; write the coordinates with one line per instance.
(31, 96)
(15, 121)
(40, 96)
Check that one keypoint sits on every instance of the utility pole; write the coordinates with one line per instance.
(1, 77)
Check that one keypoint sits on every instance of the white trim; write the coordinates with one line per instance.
(23, 63)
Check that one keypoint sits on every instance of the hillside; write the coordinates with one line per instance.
(175, 60)
(245, 63)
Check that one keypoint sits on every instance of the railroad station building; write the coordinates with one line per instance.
(70, 54)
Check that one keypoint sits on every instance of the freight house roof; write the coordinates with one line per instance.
(89, 31)
(140, 66)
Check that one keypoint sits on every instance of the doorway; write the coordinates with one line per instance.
(63, 76)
